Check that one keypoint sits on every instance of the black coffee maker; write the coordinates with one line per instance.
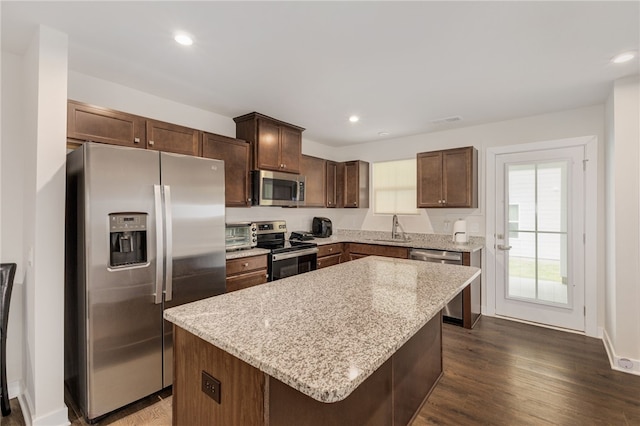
(322, 227)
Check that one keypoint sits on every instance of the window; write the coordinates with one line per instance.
(394, 187)
(514, 220)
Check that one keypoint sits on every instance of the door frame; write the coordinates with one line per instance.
(590, 144)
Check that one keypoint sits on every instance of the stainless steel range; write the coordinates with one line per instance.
(287, 258)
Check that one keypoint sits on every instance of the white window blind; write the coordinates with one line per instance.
(394, 187)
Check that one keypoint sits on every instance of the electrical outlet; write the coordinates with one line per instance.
(211, 386)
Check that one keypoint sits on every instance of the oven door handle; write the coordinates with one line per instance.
(290, 255)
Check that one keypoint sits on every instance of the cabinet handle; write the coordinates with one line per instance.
(150, 142)
(136, 140)
(244, 265)
(331, 249)
(284, 166)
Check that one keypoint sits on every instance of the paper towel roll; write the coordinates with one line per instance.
(460, 231)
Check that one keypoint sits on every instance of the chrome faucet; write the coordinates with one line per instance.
(394, 228)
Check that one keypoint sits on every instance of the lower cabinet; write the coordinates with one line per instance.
(357, 250)
(246, 272)
(329, 255)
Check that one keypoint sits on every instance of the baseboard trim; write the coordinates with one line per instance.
(59, 417)
(626, 365)
(24, 406)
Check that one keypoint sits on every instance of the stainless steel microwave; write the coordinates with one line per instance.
(277, 189)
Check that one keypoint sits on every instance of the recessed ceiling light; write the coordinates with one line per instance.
(183, 39)
(354, 119)
(623, 57)
(383, 133)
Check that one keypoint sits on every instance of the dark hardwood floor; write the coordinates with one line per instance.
(508, 373)
(499, 373)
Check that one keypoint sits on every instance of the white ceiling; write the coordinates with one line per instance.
(398, 65)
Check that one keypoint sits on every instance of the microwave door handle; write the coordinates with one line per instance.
(168, 220)
(159, 244)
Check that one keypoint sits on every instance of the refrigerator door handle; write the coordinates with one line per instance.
(159, 244)
(169, 234)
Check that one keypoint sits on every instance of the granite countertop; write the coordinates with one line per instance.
(238, 254)
(324, 332)
(424, 241)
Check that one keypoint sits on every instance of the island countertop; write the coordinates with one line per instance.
(324, 332)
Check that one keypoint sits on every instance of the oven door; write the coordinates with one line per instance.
(282, 265)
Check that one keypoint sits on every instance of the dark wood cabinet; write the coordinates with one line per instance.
(246, 272)
(236, 156)
(329, 255)
(331, 184)
(169, 137)
(448, 178)
(313, 169)
(276, 145)
(95, 124)
(355, 251)
(356, 184)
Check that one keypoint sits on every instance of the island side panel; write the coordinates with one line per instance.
(242, 386)
(417, 368)
(369, 404)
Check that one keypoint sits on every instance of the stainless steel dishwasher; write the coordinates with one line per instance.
(453, 312)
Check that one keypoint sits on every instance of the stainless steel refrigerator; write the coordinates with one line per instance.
(145, 232)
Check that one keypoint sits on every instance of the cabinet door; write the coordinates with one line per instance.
(351, 184)
(172, 138)
(323, 262)
(236, 155)
(457, 182)
(430, 179)
(91, 123)
(268, 146)
(249, 279)
(314, 170)
(331, 183)
(290, 149)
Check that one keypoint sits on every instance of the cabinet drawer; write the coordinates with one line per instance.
(329, 261)
(376, 250)
(245, 264)
(329, 249)
(250, 279)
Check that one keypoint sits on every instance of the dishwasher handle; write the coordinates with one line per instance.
(435, 256)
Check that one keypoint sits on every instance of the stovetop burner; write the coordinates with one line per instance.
(271, 236)
(281, 246)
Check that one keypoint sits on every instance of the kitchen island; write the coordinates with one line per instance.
(356, 343)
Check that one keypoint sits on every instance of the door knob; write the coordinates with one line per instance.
(503, 247)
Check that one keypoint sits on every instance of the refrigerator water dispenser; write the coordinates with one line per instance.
(127, 239)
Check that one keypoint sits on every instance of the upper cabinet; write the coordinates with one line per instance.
(277, 145)
(448, 178)
(96, 124)
(355, 184)
(315, 173)
(331, 184)
(172, 138)
(236, 155)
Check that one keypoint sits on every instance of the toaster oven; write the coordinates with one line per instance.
(240, 236)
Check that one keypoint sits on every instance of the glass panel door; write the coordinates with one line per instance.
(539, 245)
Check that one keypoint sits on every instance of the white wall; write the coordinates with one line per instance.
(587, 121)
(622, 323)
(11, 200)
(45, 71)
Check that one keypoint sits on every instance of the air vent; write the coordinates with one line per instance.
(445, 120)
